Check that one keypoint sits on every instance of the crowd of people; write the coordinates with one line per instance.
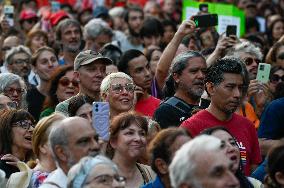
(185, 108)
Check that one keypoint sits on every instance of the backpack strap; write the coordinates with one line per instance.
(175, 102)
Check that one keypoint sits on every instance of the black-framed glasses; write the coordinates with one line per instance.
(118, 88)
(276, 78)
(12, 105)
(11, 91)
(249, 60)
(6, 48)
(25, 124)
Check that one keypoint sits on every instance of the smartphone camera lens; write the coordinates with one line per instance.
(261, 67)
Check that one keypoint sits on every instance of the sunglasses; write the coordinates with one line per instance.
(276, 78)
(66, 82)
(118, 88)
(4, 49)
(281, 56)
(25, 124)
(249, 61)
(11, 91)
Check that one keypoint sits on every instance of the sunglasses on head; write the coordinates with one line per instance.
(249, 61)
(276, 78)
(66, 82)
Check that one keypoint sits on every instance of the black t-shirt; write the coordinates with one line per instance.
(35, 102)
(172, 112)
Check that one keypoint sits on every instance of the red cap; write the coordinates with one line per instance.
(27, 14)
(57, 16)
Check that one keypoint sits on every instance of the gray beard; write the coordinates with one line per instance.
(72, 49)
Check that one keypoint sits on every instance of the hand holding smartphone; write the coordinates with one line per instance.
(231, 30)
(263, 72)
(206, 20)
(101, 118)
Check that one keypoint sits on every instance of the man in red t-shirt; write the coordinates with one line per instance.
(135, 64)
(226, 85)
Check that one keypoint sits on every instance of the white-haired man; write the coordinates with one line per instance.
(200, 163)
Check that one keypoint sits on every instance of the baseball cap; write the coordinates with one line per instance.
(100, 11)
(27, 14)
(88, 56)
(56, 17)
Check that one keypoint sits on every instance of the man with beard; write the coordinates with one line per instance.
(72, 139)
(135, 64)
(225, 85)
(187, 73)
(69, 35)
(134, 17)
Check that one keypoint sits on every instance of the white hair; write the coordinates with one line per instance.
(245, 47)
(105, 85)
(183, 166)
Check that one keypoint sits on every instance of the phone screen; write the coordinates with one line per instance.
(231, 30)
(263, 72)
(206, 20)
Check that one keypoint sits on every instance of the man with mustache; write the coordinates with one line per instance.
(72, 139)
(69, 36)
(135, 64)
(187, 75)
(225, 84)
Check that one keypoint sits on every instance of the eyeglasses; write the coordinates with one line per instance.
(281, 56)
(25, 124)
(11, 91)
(21, 61)
(249, 61)
(118, 88)
(276, 78)
(107, 179)
(9, 104)
(66, 82)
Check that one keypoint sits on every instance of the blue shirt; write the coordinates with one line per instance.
(157, 183)
(272, 120)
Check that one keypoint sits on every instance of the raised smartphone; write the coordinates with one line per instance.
(101, 119)
(231, 30)
(206, 20)
(263, 72)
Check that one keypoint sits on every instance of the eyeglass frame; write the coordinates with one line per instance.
(257, 61)
(61, 80)
(276, 81)
(122, 88)
(19, 91)
(20, 124)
